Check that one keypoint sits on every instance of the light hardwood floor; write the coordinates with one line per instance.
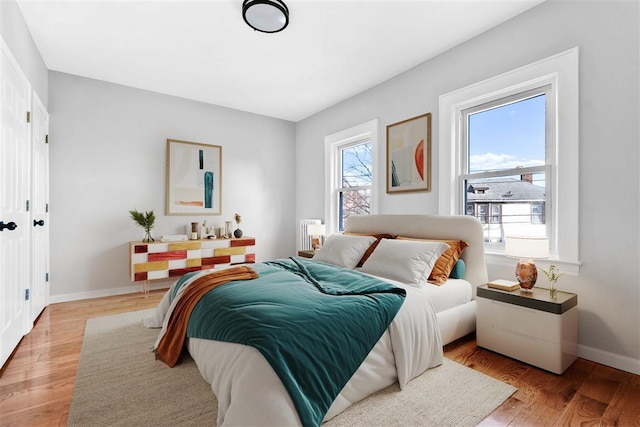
(36, 386)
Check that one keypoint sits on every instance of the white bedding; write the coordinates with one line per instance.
(452, 293)
(250, 393)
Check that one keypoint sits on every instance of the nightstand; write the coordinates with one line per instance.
(529, 326)
(306, 254)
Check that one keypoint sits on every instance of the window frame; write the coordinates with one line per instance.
(546, 168)
(340, 189)
(334, 143)
(560, 72)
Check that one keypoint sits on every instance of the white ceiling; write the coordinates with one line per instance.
(203, 50)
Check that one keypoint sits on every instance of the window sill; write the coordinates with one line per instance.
(567, 267)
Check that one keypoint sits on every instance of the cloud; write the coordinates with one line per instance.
(491, 162)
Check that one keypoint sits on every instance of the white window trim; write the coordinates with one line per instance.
(561, 72)
(368, 130)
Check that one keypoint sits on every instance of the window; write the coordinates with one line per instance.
(505, 163)
(355, 180)
(537, 213)
(350, 186)
(549, 169)
(496, 213)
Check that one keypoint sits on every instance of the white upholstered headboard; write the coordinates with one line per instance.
(459, 227)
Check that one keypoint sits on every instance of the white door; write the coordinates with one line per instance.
(14, 192)
(39, 290)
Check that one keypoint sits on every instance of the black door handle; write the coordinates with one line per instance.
(41, 222)
(11, 226)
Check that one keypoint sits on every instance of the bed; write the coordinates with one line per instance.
(247, 387)
(457, 319)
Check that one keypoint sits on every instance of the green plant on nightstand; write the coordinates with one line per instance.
(146, 221)
(553, 274)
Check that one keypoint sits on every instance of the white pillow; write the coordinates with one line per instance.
(344, 251)
(406, 261)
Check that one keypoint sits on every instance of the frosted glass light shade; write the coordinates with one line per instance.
(316, 229)
(267, 16)
(530, 247)
(526, 248)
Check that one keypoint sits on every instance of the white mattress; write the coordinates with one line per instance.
(452, 293)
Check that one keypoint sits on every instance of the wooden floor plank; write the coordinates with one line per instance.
(504, 414)
(582, 411)
(536, 414)
(624, 408)
(36, 386)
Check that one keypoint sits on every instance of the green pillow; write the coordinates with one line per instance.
(458, 270)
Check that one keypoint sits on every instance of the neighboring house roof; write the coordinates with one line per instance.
(504, 190)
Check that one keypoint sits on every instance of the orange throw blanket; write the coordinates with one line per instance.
(170, 346)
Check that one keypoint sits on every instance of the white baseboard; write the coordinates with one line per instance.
(624, 363)
(54, 299)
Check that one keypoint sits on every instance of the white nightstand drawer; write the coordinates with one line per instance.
(531, 327)
(522, 320)
(537, 352)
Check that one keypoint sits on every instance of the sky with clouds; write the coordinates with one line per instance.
(508, 136)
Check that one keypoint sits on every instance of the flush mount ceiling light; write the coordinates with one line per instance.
(267, 16)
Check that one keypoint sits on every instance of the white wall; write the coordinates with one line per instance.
(15, 33)
(107, 147)
(607, 33)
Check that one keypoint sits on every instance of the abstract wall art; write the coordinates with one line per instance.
(409, 155)
(194, 178)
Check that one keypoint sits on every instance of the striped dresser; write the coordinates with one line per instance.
(158, 260)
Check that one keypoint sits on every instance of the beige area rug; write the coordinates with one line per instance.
(120, 384)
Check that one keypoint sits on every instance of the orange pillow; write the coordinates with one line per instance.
(447, 260)
(369, 251)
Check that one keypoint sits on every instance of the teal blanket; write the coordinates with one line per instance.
(314, 323)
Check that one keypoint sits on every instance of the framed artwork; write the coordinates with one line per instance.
(409, 155)
(194, 178)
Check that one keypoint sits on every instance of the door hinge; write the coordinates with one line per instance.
(46, 277)
(28, 116)
(26, 294)
(46, 139)
(27, 206)
(46, 207)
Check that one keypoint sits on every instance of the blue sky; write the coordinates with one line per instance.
(508, 136)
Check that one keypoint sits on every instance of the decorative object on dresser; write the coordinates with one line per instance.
(174, 238)
(409, 155)
(527, 248)
(154, 261)
(238, 232)
(316, 231)
(553, 274)
(529, 326)
(146, 221)
(193, 178)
